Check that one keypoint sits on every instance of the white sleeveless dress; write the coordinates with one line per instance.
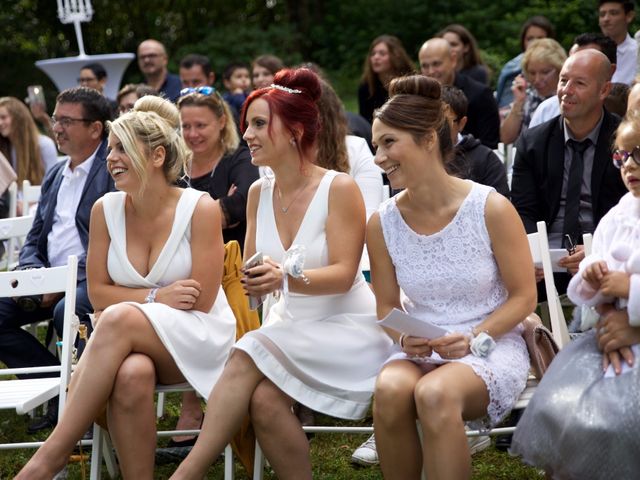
(451, 279)
(324, 351)
(198, 342)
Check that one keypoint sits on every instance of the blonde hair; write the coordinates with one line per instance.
(25, 142)
(545, 50)
(214, 102)
(154, 122)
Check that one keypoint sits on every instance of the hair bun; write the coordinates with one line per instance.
(161, 107)
(415, 85)
(302, 79)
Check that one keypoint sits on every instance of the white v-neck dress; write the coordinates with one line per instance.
(198, 342)
(324, 351)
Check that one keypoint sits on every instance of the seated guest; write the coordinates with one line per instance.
(416, 244)
(31, 154)
(438, 61)
(534, 28)
(471, 160)
(386, 60)
(94, 75)
(579, 406)
(263, 68)
(464, 45)
(319, 344)
(616, 101)
(60, 228)
(155, 266)
(541, 66)
(152, 61)
(237, 81)
(220, 165)
(562, 173)
(614, 19)
(131, 92)
(195, 71)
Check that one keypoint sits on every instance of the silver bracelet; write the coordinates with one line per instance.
(151, 298)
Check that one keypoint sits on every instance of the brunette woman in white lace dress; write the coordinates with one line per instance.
(459, 253)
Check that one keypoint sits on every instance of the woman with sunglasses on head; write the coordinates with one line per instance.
(541, 66)
(588, 398)
(220, 164)
(319, 344)
(154, 267)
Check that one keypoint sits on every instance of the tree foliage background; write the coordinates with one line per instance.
(333, 33)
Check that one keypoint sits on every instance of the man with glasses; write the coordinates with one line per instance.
(60, 229)
(152, 61)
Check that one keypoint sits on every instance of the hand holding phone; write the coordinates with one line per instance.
(254, 261)
(36, 95)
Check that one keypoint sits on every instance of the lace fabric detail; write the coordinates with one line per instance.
(451, 279)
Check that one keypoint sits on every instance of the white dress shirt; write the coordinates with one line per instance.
(627, 61)
(64, 239)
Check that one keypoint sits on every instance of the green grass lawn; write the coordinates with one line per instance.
(330, 454)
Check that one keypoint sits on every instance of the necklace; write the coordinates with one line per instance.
(286, 209)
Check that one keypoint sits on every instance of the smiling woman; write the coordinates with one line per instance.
(154, 268)
(220, 165)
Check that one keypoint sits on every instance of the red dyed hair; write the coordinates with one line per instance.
(298, 112)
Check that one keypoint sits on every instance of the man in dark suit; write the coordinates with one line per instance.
(61, 224)
(542, 183)
(437, 60)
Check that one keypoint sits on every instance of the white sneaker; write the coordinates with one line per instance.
(366, 453)
(477, 444)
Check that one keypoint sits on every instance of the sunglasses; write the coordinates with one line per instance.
(202, 90)
(620, 157)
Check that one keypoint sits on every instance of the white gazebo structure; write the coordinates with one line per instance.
(64, 72)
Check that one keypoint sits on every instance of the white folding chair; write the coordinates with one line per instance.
(14, 229)
(24, 395)
(13, 199)
(30, 196)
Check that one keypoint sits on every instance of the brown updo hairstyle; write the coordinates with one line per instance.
(154, 122)
(415, 106)
(298, 111)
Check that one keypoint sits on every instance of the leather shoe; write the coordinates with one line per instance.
(48, 420)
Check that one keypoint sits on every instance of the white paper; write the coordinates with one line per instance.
(556, 254)
(404, 323)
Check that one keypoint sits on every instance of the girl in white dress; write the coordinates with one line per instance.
(154, 269)
(459, 252)
(319, 344)
(583, 421)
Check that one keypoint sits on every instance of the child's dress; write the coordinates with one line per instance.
(582, 423)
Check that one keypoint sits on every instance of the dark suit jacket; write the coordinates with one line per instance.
(484, 120)
(538, 169)
(34, 252)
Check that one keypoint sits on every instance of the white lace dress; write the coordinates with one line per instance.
(451, 279)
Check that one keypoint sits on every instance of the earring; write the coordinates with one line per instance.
(292, 141)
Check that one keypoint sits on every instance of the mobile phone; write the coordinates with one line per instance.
(36, 95)
(254, 261)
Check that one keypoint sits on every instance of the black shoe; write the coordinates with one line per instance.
(503, 442)
(190, 442)
(49, 420)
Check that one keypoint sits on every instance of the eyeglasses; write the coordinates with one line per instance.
(569, 245)
(206, 90)
(620, 157)
(67, 121)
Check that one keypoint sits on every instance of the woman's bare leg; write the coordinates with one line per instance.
(123, 329)
(279, 432)
(226, 408)
(443, 399)
(394, 421)
(190, 415)
(131, 416)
